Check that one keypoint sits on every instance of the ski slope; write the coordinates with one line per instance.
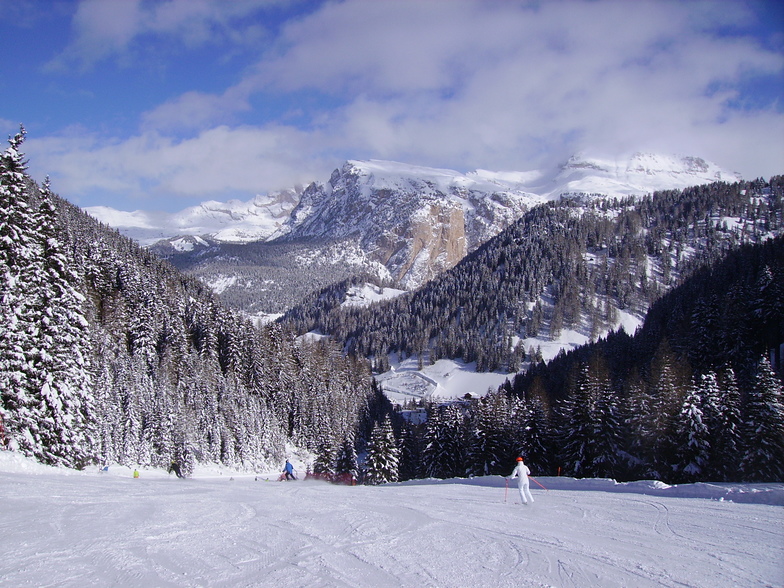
(84, 529)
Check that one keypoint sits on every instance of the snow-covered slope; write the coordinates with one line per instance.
(228, 529)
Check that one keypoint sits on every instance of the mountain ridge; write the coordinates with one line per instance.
(403, 223)
(259, 218)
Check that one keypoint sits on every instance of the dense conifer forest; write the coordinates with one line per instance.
(110, 355)
(696, 395)
(692, 396)
(573, 264)
(267, 277)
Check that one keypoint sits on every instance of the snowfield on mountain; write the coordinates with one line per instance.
(265, 215)
(76, 529)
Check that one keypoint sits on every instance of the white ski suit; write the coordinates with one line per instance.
(521, 472)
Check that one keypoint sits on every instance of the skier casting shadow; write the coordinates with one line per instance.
(521, 472)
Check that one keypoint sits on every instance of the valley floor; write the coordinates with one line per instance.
(108, 529)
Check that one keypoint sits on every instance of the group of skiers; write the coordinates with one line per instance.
(521, 472)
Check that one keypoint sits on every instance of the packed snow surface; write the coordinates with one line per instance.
(83, 529)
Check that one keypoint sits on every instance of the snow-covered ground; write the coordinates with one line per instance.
(448, 379)
(445, 380)
(70, 529)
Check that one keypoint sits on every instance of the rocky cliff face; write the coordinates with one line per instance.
(415, 221)
(389, 219)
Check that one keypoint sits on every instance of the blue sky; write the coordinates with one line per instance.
(142, 104)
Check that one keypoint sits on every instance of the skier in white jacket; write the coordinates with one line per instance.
(521, 472)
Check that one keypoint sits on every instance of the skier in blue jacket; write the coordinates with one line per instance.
(288, 471)
(521, 472)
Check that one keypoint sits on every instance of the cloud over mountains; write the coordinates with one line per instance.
(458, 84)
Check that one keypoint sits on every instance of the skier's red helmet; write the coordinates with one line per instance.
(519, 459)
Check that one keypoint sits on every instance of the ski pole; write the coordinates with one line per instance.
(537, 481)
(506, 490)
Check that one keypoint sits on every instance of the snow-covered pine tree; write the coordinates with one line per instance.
(639, 423)
(768, 308)
(592, 439)
(578, 432)
(609, 434)
(533, 432)
(432, 444)
(710, 396)
(45, 349)
(18, 406)
(667, 387)
(61, 368)
(444, 452)
(727, 430)
(704, 323)
(326, 456)
(346, 463)
(382, 460)
(488, 451)
(692, 446)
(763, 459)
(411, 446)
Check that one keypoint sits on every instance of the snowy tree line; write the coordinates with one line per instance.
(693, 396)
(44, 348)
(564, 265)
(108, 354)
(706, 430)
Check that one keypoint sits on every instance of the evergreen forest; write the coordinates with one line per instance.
(572, 264)
(692, 396)
(109, 354)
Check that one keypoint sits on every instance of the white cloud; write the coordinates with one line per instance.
(498, 85)
(196, 110)
(103, 29)
(218, 161)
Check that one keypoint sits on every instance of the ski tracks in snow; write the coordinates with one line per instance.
(82, 530)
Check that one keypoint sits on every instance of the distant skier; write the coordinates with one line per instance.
(175, 467)
(521, 472)
(288, 471)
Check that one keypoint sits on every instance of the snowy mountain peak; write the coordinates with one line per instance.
(637, 174)
(650, 164)
(391, 174)
(416, 221)
(374, 182)
(230, 222)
